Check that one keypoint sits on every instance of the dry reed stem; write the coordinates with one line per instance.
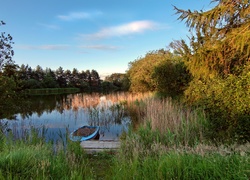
(91, 100)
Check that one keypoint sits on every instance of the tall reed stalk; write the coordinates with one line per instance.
(177, 124)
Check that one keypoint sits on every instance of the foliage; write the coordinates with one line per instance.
(9, 99)
(222, 40)
(171, 77)
(141, 70)
(6, 51)
(227, 102)
(161, 71)
(218, 59)
(119, 81)
(49, 82)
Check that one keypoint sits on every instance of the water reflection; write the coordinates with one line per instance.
(56, 115)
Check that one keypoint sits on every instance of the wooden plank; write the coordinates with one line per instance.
(98, 146)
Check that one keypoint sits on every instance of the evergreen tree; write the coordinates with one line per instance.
(219, 59)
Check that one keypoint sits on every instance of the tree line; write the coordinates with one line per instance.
(29, 78)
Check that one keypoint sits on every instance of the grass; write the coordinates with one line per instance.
(171, 143)
(34, 158)
(144, 156)
(174, 165)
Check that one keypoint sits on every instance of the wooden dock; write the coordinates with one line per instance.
(99, 146)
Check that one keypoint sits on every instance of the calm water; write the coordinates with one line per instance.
(60, 115)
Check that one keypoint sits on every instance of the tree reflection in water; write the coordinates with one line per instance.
(58, 115)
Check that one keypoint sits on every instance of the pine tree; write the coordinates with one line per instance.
(221, 44)
(218, 57)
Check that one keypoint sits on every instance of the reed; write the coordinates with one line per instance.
(177, 124)
(170, 143)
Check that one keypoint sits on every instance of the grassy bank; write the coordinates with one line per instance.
(172, 142)
(33, 158)
(146, 155)
(48, 91)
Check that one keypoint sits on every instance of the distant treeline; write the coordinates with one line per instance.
(38, 78)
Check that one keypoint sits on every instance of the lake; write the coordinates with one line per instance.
(58, 115)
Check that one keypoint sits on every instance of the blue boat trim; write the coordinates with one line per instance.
(84, 138)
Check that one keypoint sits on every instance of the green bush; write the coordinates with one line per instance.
(227, 103)
(171, 77)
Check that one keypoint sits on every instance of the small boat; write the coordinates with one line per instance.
(85, 133)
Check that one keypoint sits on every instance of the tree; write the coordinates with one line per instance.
(222, 41)
(23, 72)
(39, 73)
(218, 58)
(6, 51)
(10, 70)
(75, 81)
(95, 80)
(118, 80)
(172, 77)
(141, 70)
(68, 76)
(60, 77)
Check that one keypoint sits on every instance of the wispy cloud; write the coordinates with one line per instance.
(49, 26)
(123, 29)
(44, 47)
(100, 47)
(78, 15)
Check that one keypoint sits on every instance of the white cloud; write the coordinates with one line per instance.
(49, 26)
(44, 47)
(124, 29)
(100, 47)
(78, 15)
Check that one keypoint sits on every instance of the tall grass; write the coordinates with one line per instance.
(33, 158)
(175, 165)
(177, 124)
(170, 144)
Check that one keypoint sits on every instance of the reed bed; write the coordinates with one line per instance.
(177, 124)
(170, 143)
(91, 100)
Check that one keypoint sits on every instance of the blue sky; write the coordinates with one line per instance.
(104, 35)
